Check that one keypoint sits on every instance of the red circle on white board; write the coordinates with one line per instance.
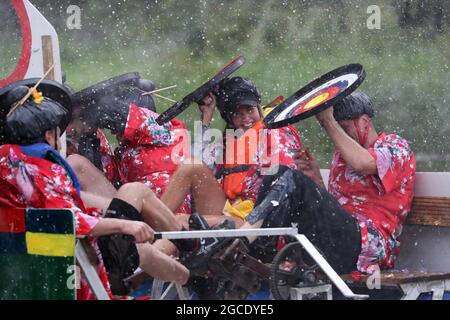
(21, 68)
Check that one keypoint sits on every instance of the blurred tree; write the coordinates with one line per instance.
(413, 13)
(287, 43)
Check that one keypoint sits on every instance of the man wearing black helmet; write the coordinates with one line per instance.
(371, 178)
(33, 174)
(146, 154)
(248, 151)
(91, 142)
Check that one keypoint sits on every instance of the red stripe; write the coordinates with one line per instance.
(25, 54)
(12, 220)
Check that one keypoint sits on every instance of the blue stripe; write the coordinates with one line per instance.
(45, 151)
(49, 221)
(12, 243)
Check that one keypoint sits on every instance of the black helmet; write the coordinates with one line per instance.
(124, 89)
(28, 123)
(135, 95)
(114, 87)
(234, 92)
(353, 106)
(91, 99)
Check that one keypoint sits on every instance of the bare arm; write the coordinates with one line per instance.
(207, 106)
(139, 230)
(352, 152)
(308, 164)
(202, 140)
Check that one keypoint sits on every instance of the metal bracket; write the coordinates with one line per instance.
(413, 290)
(300, 293)
(171, 291)
(329, 271)
(309, 247)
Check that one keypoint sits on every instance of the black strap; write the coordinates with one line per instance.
(226, 171)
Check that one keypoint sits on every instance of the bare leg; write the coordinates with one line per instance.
(166, 247)
(160, 266)
(198, 181)
(91, 179)
(98, 192)
(154, 212)
(95, 201)
(247, 225)
(216, 219)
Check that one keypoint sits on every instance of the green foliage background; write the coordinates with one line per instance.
(286, 43)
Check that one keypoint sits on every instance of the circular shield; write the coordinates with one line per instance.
(201, 91)
(317, 96)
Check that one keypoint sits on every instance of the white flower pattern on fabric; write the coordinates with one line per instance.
(160, 133)
(380, 202)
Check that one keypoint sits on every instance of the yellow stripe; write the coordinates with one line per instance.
(52, 245)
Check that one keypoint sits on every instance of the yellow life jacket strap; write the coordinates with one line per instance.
(239, 209)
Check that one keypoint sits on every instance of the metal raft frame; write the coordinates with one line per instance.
(91, 274)
(305, 243)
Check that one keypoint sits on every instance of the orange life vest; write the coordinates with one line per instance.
(239, 157)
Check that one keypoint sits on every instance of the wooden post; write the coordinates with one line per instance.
(47, 56)
(48, 60)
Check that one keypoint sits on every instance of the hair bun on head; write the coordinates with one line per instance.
(48, 107)
(145, 85)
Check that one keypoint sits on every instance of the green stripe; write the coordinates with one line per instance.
(27, 277)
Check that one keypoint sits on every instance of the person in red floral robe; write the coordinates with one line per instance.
(33, 174)
(146, 152)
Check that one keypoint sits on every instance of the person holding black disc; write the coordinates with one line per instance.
(224, 192)
(248, 153)
(371, 178)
